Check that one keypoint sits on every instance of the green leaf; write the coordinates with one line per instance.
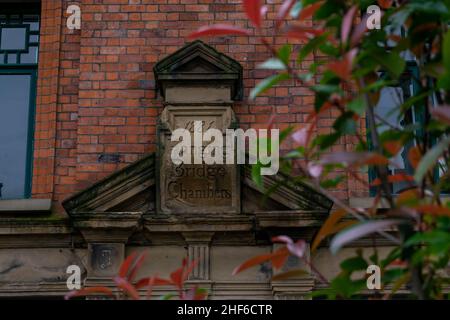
(284, 53)
(332, 183)
(327, 140)
(272, 64)
(392, 62)
(446, 51)
(267, 84)
(429, 7)
(354, 264)
(310, 46)
(326, 88)
(256, 174)
(430, 159)
(345, 124)
(357, 105)
(444, 81)
(285, 133)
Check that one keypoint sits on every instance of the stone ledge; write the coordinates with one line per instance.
(26, 206)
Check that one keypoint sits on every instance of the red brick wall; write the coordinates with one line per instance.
(47, 98)
(100, 82)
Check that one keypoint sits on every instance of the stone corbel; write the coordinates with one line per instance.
(106, 234)
(293, 288)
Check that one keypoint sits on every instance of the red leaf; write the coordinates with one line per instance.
(303, 33)
(433, 210)
(385, 4)
(252, 262)
(414, 156)
(177, 277)
(399, 177)
(309, 11)
(125, 266)
(393, 147)
(144, 282)
(189, 269)
(253, 11)
(341, 69)
(88, 291)
(347, 22)
(127, 287)
(218, 30)
(279, 257)
(284, 11)
(137, 266)
(354, 158)
(296, 249)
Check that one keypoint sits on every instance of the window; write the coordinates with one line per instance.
(388, 116)
(19, 43)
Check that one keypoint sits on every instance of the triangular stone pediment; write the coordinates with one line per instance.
(197, 65)
(198, 62)
(132, 189)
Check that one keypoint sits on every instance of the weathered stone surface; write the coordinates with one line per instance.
(105, 259)
(198, 188)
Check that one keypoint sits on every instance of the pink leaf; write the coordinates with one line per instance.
(359, 31)
(283, 239)
(361, 230)
(441, 114)
(347, 23)
(301, 136)
(284, 11)
(315, 170)
(218, 30)
(297, 249)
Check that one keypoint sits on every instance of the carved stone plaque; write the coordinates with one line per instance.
(195, 188)
(105, 259)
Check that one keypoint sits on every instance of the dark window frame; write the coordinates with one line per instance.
(30, 69)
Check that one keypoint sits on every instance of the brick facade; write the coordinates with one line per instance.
(96, 88)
